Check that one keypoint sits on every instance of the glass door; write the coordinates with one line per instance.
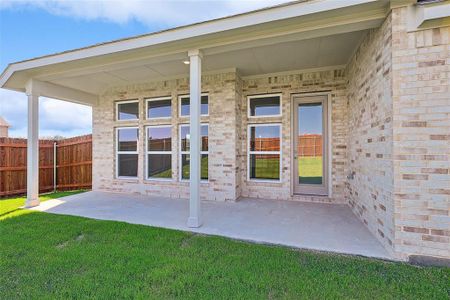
(310, 145)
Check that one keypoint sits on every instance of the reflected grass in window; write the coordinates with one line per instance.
(265, 166)
(310, 170)
(159, 166)
(185, 161)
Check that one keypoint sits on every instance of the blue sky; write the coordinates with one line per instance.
(27, 33)
(31, 28)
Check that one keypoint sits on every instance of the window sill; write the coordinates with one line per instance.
(159, 119)
(159, 180)
(128, 120)
(264, 181)
(187, 181)
(262, 117)
(130, 179)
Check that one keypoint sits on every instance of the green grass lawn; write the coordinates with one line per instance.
(54, 256)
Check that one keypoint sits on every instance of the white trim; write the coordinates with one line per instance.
(187, 96)
(33, 151)
(147, 152)
(124, 102)
(147, 100)
(250, 97)
(328, 145)
(181, 152)
(51, 90)
(279, 125)
(117, 152)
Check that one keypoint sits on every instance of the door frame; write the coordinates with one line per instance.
(326, 189)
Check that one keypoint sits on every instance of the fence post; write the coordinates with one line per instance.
(314, 141)
(54, 166)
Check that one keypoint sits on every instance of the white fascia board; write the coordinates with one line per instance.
(437, 11)
(418, 15)
(186, 32)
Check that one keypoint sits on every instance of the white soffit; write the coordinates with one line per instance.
(321, 52)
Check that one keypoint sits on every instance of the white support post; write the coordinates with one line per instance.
(195, 219)
(33, 151)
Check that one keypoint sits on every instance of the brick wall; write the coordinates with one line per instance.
(370, 137)
(227, 135)
(223, 171)
(332, 81)
(241, 159)
(421, 93)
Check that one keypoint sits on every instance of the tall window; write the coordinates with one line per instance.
(185, 105)
(264, 105)
(158, 108)
(127, 110)
(184, 156)
(127, 152)
(264, 153)
(159, 152)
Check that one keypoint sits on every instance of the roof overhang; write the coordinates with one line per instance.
(287, 23)
(428, 15)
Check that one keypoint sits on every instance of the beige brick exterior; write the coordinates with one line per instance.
(399, 142)
(332, 82)
(227, 136)
(370, 137)
(223, 171)
(421, 94)
(390, 136)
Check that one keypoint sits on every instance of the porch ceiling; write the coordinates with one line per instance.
(304, 54)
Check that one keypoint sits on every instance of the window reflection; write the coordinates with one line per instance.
(159, 139)
(264, 106)
(265, 138)
(128, 111)
(185, 106)
(310, 143)
(159, 108)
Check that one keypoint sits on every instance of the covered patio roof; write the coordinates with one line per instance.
(292, 36)
(296, 35)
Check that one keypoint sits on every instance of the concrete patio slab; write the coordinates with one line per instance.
(325, 227)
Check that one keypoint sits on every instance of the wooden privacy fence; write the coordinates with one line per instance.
(310, 145)
(73, 167)
(307, 145)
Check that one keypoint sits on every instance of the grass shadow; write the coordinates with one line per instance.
(13, 207)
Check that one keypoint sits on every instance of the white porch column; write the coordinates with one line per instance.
(195, 219)
(33, 151)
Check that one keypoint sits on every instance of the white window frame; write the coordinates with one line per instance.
(126, 152)
(188, 96)
(147, 152)
(188, 152)
(264, 152)
(249, 98)
(147, 100)
(125, 102)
